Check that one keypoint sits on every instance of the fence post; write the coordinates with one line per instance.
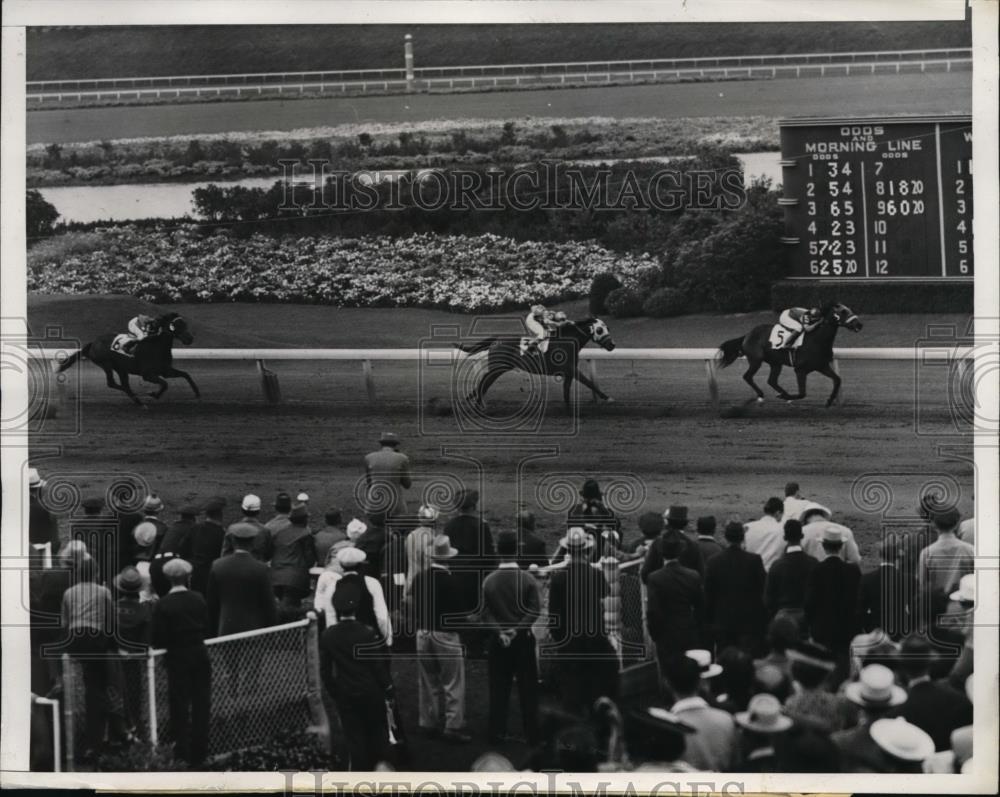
(69, 692)
(408, 60)
(269, 384)
(321, 722)
(592, 368)
(366, 367)
(154, 730)
(612, 605)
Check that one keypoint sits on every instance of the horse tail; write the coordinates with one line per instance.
(729, 352)
(478, 346)
(77, 355)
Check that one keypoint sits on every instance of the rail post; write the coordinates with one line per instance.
(154, 730)
(592, 368)
(269, 383)
(366, 367)
(69, 693)
(713, 384)
(408, 60)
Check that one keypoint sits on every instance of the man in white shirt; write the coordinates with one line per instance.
(766, 537)
(715, 744)
(794, 502)
(815, 522)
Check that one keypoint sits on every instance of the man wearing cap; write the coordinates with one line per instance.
(585, 663)
(785, 590)
(152, 506)
(942, 564)
(877, 695)
(934, 706)
(329, 535)
(815, 520)
(905, 745)
(766, 537)
(372, 609)
(762, 723)
(357, 677)
(206, 543)
(387, 474)
(714, 746)
(675, 605)
(144, 535)
(831, 598)
(734, 595)
(282, 507)
(260, 543)
(134, 621)
(440, 656)
(176, 542)
(42, 525)
(293, 554)
(511, 605)
(180, 625)
(239, 592)
(881, 596)
(676, 520)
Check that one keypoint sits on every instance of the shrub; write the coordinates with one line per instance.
(62, 247)
(40, 215)
(665, 303)
(600, 287)
(624, 303)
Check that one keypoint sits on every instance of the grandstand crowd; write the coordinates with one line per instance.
(774, 650)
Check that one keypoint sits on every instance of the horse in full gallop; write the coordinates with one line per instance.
(152, 357)
(815, 353)
(562, 357)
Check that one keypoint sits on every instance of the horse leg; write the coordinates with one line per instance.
(157, 380)
(109, 376)
(830, 374)
(478, 396)
(800, 377)
(748, 377)
(127, 388)
(567, 385)
(587, 383)
(772, 380)
(175, 372)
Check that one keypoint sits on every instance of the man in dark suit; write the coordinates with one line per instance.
(374, 542)
(206, 543)
(690, 554)
(175, 543)
(261, 544)
(180, 624)
(387, 472)
(786, 580)
(705, 538)
(470, 535)
(734, 594)
(585, 664)
(934, 706)
(293, 553)
(531, 547)
(831, 599)
(240, 596)
(675, 604)
(881, 596)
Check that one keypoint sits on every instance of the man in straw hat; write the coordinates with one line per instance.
(905, 745)
(585, 664)
(762, 723)
(180, 624)
(152, 506)
(714, 746)
(675, 604)
(440, 656)
(387, 476)
(876, 693)
(934, 706)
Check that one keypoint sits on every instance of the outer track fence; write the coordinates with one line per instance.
(499, 75)
(959, 355)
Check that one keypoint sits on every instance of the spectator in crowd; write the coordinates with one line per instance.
(934, 706)
(531, 547)
(794, 504)
(43, 528)
(358, 681)
(152, 506)
(329, 535)
(282, 508)
(374, 541)
(590, 508)
(675, 604)
(260, 546)
(952, 760)
(302, 497)
(372, 609)
(240, 594)
(144, 537)
(585, 664)
(943, 563)
(124, 543)
(815, 521)
(177, 542)
(650, 527)
(786, 580)
(471, 536)
(93, 506)
(419, 543)
(958, 623)
(387, 475)
(783, 633)
(877, 694)
(761, 723)
(812, 705)
(676, 519)
(707, 544)
(206, 544)
(511, 605)
(325, 583)
(734, 594)
(46, 628)
(734, 685)
(656, 740)
(806, 750)
(714, 745)
(967, 531)
(440, 657)
(293, 554)
(772, 680)
(881, 596)
(134, 621)
(180, 625)
(832, 599)
(354, 530)
(88, 620)
(766, 537)
(904, 745)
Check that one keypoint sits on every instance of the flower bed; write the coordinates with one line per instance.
(486, 272)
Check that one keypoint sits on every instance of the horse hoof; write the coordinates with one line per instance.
(609, 400)
(760, 399)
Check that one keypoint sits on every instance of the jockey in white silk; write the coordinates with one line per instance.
(139, 328)
(541, 323)
(795, 321)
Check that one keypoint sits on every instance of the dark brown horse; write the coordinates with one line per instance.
(561, 359)
(815, 353)
(152, 360)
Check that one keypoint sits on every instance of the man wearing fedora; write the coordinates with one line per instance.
(240, 595)
(440, 656)
(734, 595)
(152, 506)
(877, 695)
(675, 605)
(387, 471)
(293, 553)
(785, 589)
(584, 661)
(206, 543)
(676, 521)
(831, 599)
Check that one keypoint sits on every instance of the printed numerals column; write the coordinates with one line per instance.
(955, 148)
(834, 222)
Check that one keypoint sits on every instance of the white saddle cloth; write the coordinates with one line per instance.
(780, 334)
(541, 347)
(118, 344)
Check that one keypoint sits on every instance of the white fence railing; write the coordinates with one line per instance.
(500, 75)
(440, 353)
